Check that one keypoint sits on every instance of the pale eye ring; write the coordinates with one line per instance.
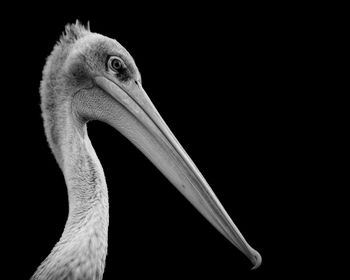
(115, 64)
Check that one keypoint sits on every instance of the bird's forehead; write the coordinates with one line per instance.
(97, 45)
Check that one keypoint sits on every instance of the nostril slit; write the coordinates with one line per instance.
(137, 83)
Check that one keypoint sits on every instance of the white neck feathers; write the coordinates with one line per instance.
(82, 248)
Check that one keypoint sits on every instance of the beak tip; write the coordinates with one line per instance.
(256, 260)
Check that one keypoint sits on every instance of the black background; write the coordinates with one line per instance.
(232, 83)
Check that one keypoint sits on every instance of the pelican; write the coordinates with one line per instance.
(87, 77)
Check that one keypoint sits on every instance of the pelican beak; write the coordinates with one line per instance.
(136, 118)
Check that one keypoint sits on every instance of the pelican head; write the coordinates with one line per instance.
(92, 77)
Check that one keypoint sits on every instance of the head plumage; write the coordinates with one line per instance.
(74, 31)
(52, 81)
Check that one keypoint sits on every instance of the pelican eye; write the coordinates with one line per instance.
(115, 64)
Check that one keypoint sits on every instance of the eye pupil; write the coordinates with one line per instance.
(116, 64)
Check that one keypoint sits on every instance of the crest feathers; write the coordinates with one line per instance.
(73, 32)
